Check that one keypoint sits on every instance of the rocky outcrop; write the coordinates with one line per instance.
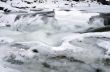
(104, 2)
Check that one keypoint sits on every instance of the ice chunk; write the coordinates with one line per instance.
(6, 40)
(105, 45)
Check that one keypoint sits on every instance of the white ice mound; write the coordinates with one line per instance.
(77, 50)
(106, 46)
(4, 40)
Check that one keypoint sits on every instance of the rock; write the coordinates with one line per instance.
(1, 8)
(71, 59)
(104, 2)
(3, 0)
(101, 29)
(46, 65)
(99, 70)
(106, 61)
(35, 50)
(12, 59)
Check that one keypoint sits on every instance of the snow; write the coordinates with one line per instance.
(5, 40)
(105, 45)
(53, 37)
(5, 69)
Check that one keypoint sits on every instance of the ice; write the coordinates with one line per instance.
(5, 40)
(82, 47)
(54, 37)
(6, 69)
(105, 45)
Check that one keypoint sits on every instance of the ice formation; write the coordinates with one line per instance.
(59, 38)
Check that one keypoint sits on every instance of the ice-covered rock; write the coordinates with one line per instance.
(54, 39)
(105, 45)
(77, 50)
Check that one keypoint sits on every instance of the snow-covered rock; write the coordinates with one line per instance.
(54, 36)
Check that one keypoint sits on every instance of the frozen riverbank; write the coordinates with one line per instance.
(76, 52)
(61, 40)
